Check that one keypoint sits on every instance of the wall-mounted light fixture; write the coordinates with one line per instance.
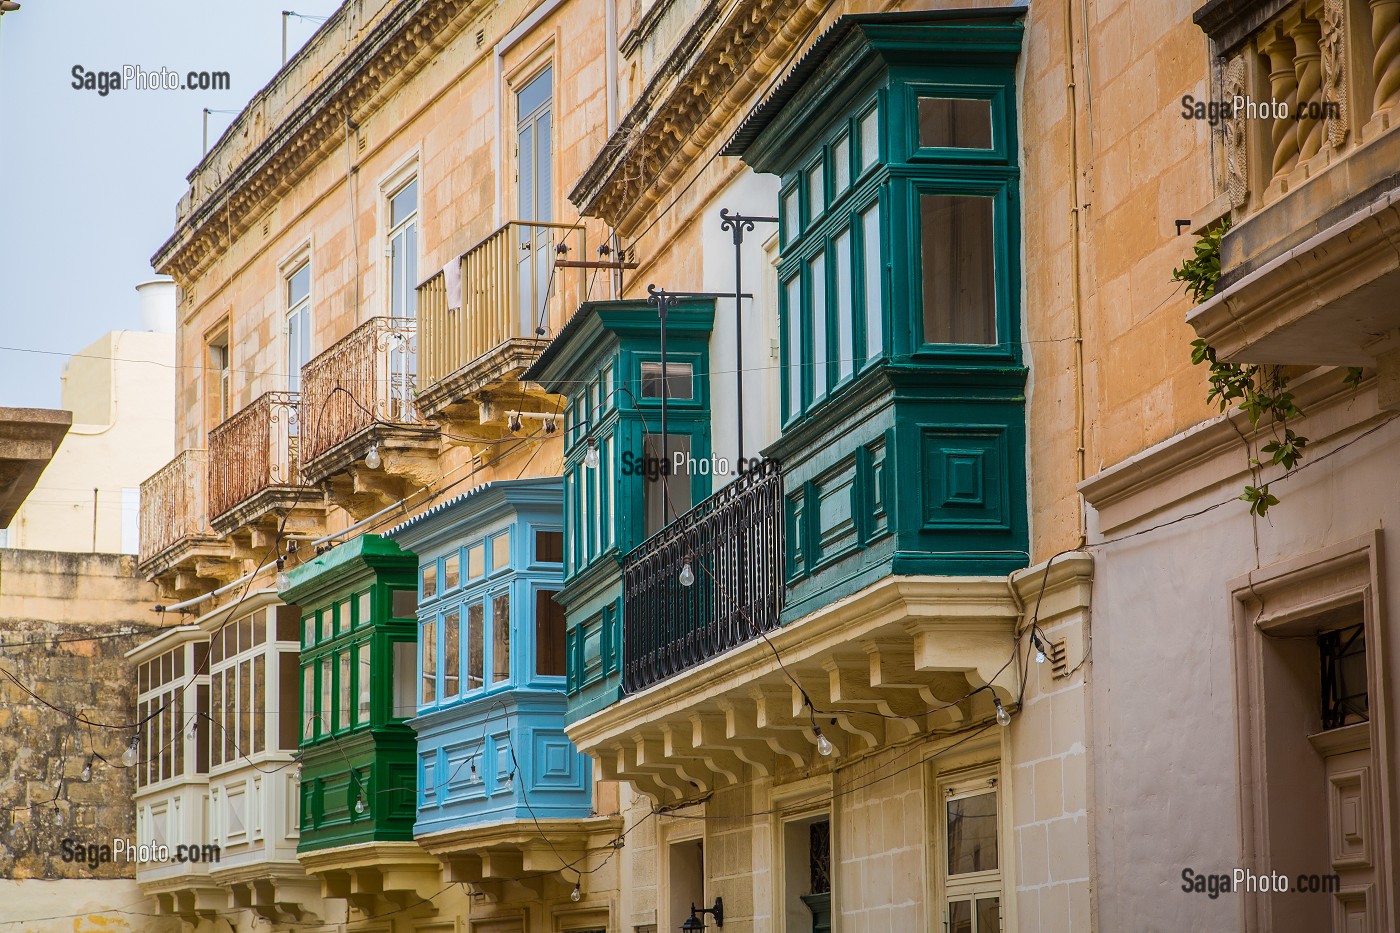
(695, 923)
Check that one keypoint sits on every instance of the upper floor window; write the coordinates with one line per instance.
(173, 709)
(971, 855)
(535, 196)
(897, 235)
(402, 249)
(298, 288)
(218, 379)
(253, 684)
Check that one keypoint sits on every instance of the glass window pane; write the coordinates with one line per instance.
(342, 713)
(820, 353)
(960, 916)
(680, 380)
(260, 722)
(816, 192)
(663, 489)
(343, 625)
(299, 284)
(841, 165)
(450, 572)
(451, 653)
(959, 243)
(410, 270)
(429, 581)
(792, 214)
(500, 551)
(245, 701)
(972, 834)
(428, 639)
(549, 635)
(988, 915)
(475, 624)
(325, 616)
(549, 547)
(404, 203)
(535, 94)
(308, 703)
(476, 561)
(366, 613)
(869, 139)
(323, 713)
(544, 183)
(500, 639)
(874, 275)
(366, 679)
(955, 123)
(845, 318)
(405, 605)
(793, 290)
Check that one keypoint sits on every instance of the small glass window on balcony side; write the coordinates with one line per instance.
(958, 234)
(403, 250)
(298, 324)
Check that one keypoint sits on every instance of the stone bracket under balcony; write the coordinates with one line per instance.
(519, 861)
(454, 397)
(191, 903)
(278, 895)
(408, 456)
(378, 878)
(901, 658)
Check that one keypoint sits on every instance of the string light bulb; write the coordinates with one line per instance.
(87, 772)
(283, 581)
(57, 815)
(824, 745)
(687, 576)
(590, 456)
(575, 894)
(508, 785)
(193, 729)
(372, 459)
(1003, 717)
(360, 805)
(132, 753)
(1039, 648)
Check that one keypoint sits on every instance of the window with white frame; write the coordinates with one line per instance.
(162, 685)
(534, 116)
(402, 250)
(253, 685)
(970, 852)
(298, 294)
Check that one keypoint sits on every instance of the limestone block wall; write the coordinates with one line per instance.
(65, 622)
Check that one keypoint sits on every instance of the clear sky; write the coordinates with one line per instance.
(88, 184)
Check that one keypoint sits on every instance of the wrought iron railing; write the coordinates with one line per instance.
(254, 450)
(733, 544)
(368, 377)
(509, 287)
(173, 504)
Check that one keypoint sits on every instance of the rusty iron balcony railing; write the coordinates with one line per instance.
(254, 451)
(509, 288)
(369, 377)
(733, 542)
(173, 505)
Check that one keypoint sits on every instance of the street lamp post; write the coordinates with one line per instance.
(738, 225)
(663, 301)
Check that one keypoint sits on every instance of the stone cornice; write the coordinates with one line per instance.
(1211, 453)
(717, 69)
(520, 834)
(231, 188)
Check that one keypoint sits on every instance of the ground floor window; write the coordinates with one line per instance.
(971, 852)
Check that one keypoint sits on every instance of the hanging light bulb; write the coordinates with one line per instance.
(87, 772)
(1039, 648)
(508, 785)
(824, 744)
(193, 729)
(575, 894)
(360, 805)
(132, 753)
(372, 459)
(687, 576)
(1003, 717)
(57, 816)
(283, 581)
(296, 772)
(590, 457)
(471, 768)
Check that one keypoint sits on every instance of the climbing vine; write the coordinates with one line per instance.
(1259, 390)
